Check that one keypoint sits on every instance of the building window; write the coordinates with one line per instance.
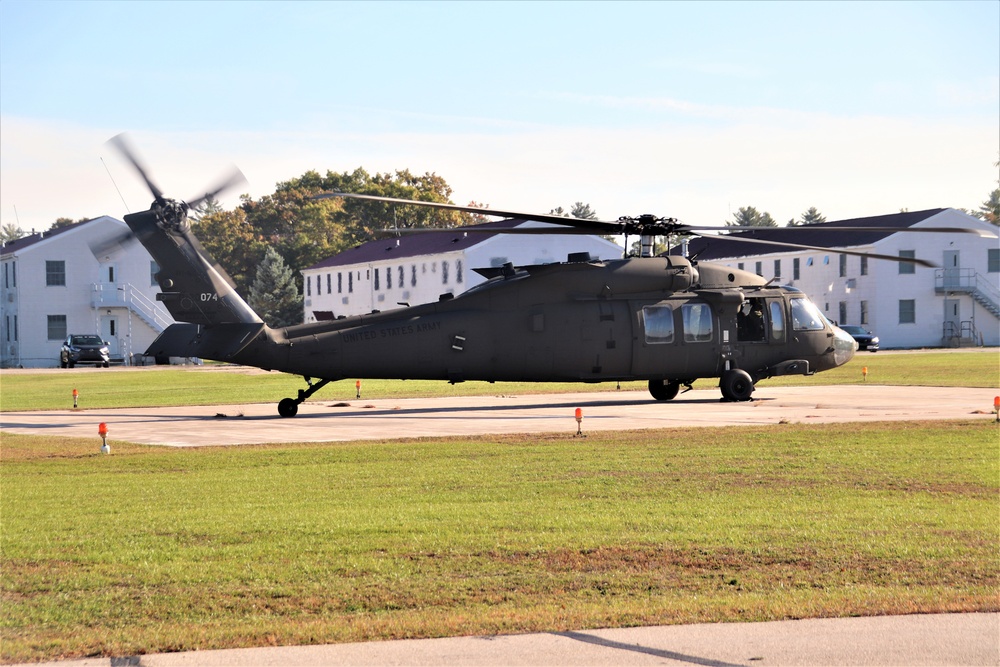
(377, 287)
(329, 284)
(795, 268)
(843, 311)
(777, 268)
(413, 275)
(444, 273)
(992, 261)
(402, 276)
(864, 266)
(6, 278)
(55, 273)
(388, 277)
(864, 313)
(907, 311)
(843, 266)
(458, 271)
(309, 285)
(340, 283)
(907, 267)
(350, 282)
(759, 268)
(57, 327)
(809, 261)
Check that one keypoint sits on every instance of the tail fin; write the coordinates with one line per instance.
(193, 287)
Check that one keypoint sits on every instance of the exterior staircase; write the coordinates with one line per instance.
(968, 281)
(125, 295)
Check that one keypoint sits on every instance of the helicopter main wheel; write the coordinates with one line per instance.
(736, 385)
(288, 407)
(664, 390)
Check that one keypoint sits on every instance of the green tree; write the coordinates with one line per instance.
(10, 232)
(811, 217)
(990, 209)
(583, 211)
(274, 295)
(748, 216)
(61, 223)
(233, 243)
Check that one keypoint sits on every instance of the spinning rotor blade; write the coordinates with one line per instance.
(235, 178)
(596, 226)
(837, 228)
(120, 142)
(800, 246)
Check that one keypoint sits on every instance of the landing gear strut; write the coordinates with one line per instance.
(289, 407)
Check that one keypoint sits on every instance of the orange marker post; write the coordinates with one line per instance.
(102, 430)
(76, 395)
(864, 373)
(357, 385)
(579, 423)
(996, 407)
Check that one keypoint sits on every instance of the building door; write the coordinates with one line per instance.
(951, 269)
(952, 318)
(110, 333)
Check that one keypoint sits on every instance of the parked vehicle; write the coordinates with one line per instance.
(84, 349)
(866, 339)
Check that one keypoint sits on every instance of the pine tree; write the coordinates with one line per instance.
(274, 295)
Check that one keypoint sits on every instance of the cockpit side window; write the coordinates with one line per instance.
(777, 320)
(805, 315)
(658, 321)
(697, 322)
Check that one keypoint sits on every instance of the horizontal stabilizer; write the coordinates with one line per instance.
(220, 343)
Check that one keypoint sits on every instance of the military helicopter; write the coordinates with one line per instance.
(668, 320)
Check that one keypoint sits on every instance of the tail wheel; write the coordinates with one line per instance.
(288, 407)
(736, 385)
(664, 390)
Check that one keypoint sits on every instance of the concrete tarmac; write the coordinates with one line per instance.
(936, 639)
(327, 421)
(933, 639)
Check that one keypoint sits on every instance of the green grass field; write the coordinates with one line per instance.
(211, 385)
(157, 549)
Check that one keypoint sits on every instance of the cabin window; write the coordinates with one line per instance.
(57, 327)
(805, 315)
(55, 273)
(907, 267)
(697, 322)
(658, 321)
(777, 321)
(154, 268)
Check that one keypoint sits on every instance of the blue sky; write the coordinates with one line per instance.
(683, 109)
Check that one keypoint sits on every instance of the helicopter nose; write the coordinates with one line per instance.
(844, 346)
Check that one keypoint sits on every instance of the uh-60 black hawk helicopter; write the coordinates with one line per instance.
(668, 320)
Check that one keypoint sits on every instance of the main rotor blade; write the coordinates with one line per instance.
(799, 246)
(234, 179)
(120, 142)
(853, 228)
(473, 229)
(597, 226)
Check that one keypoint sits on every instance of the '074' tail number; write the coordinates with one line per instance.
(209, 296)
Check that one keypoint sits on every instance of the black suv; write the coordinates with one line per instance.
(84, 349)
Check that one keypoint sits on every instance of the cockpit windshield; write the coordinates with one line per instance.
(806, 316)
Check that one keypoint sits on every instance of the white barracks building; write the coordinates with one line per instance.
(420, 268)
(906, 305)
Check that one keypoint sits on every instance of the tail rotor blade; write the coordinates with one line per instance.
(120, 142)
